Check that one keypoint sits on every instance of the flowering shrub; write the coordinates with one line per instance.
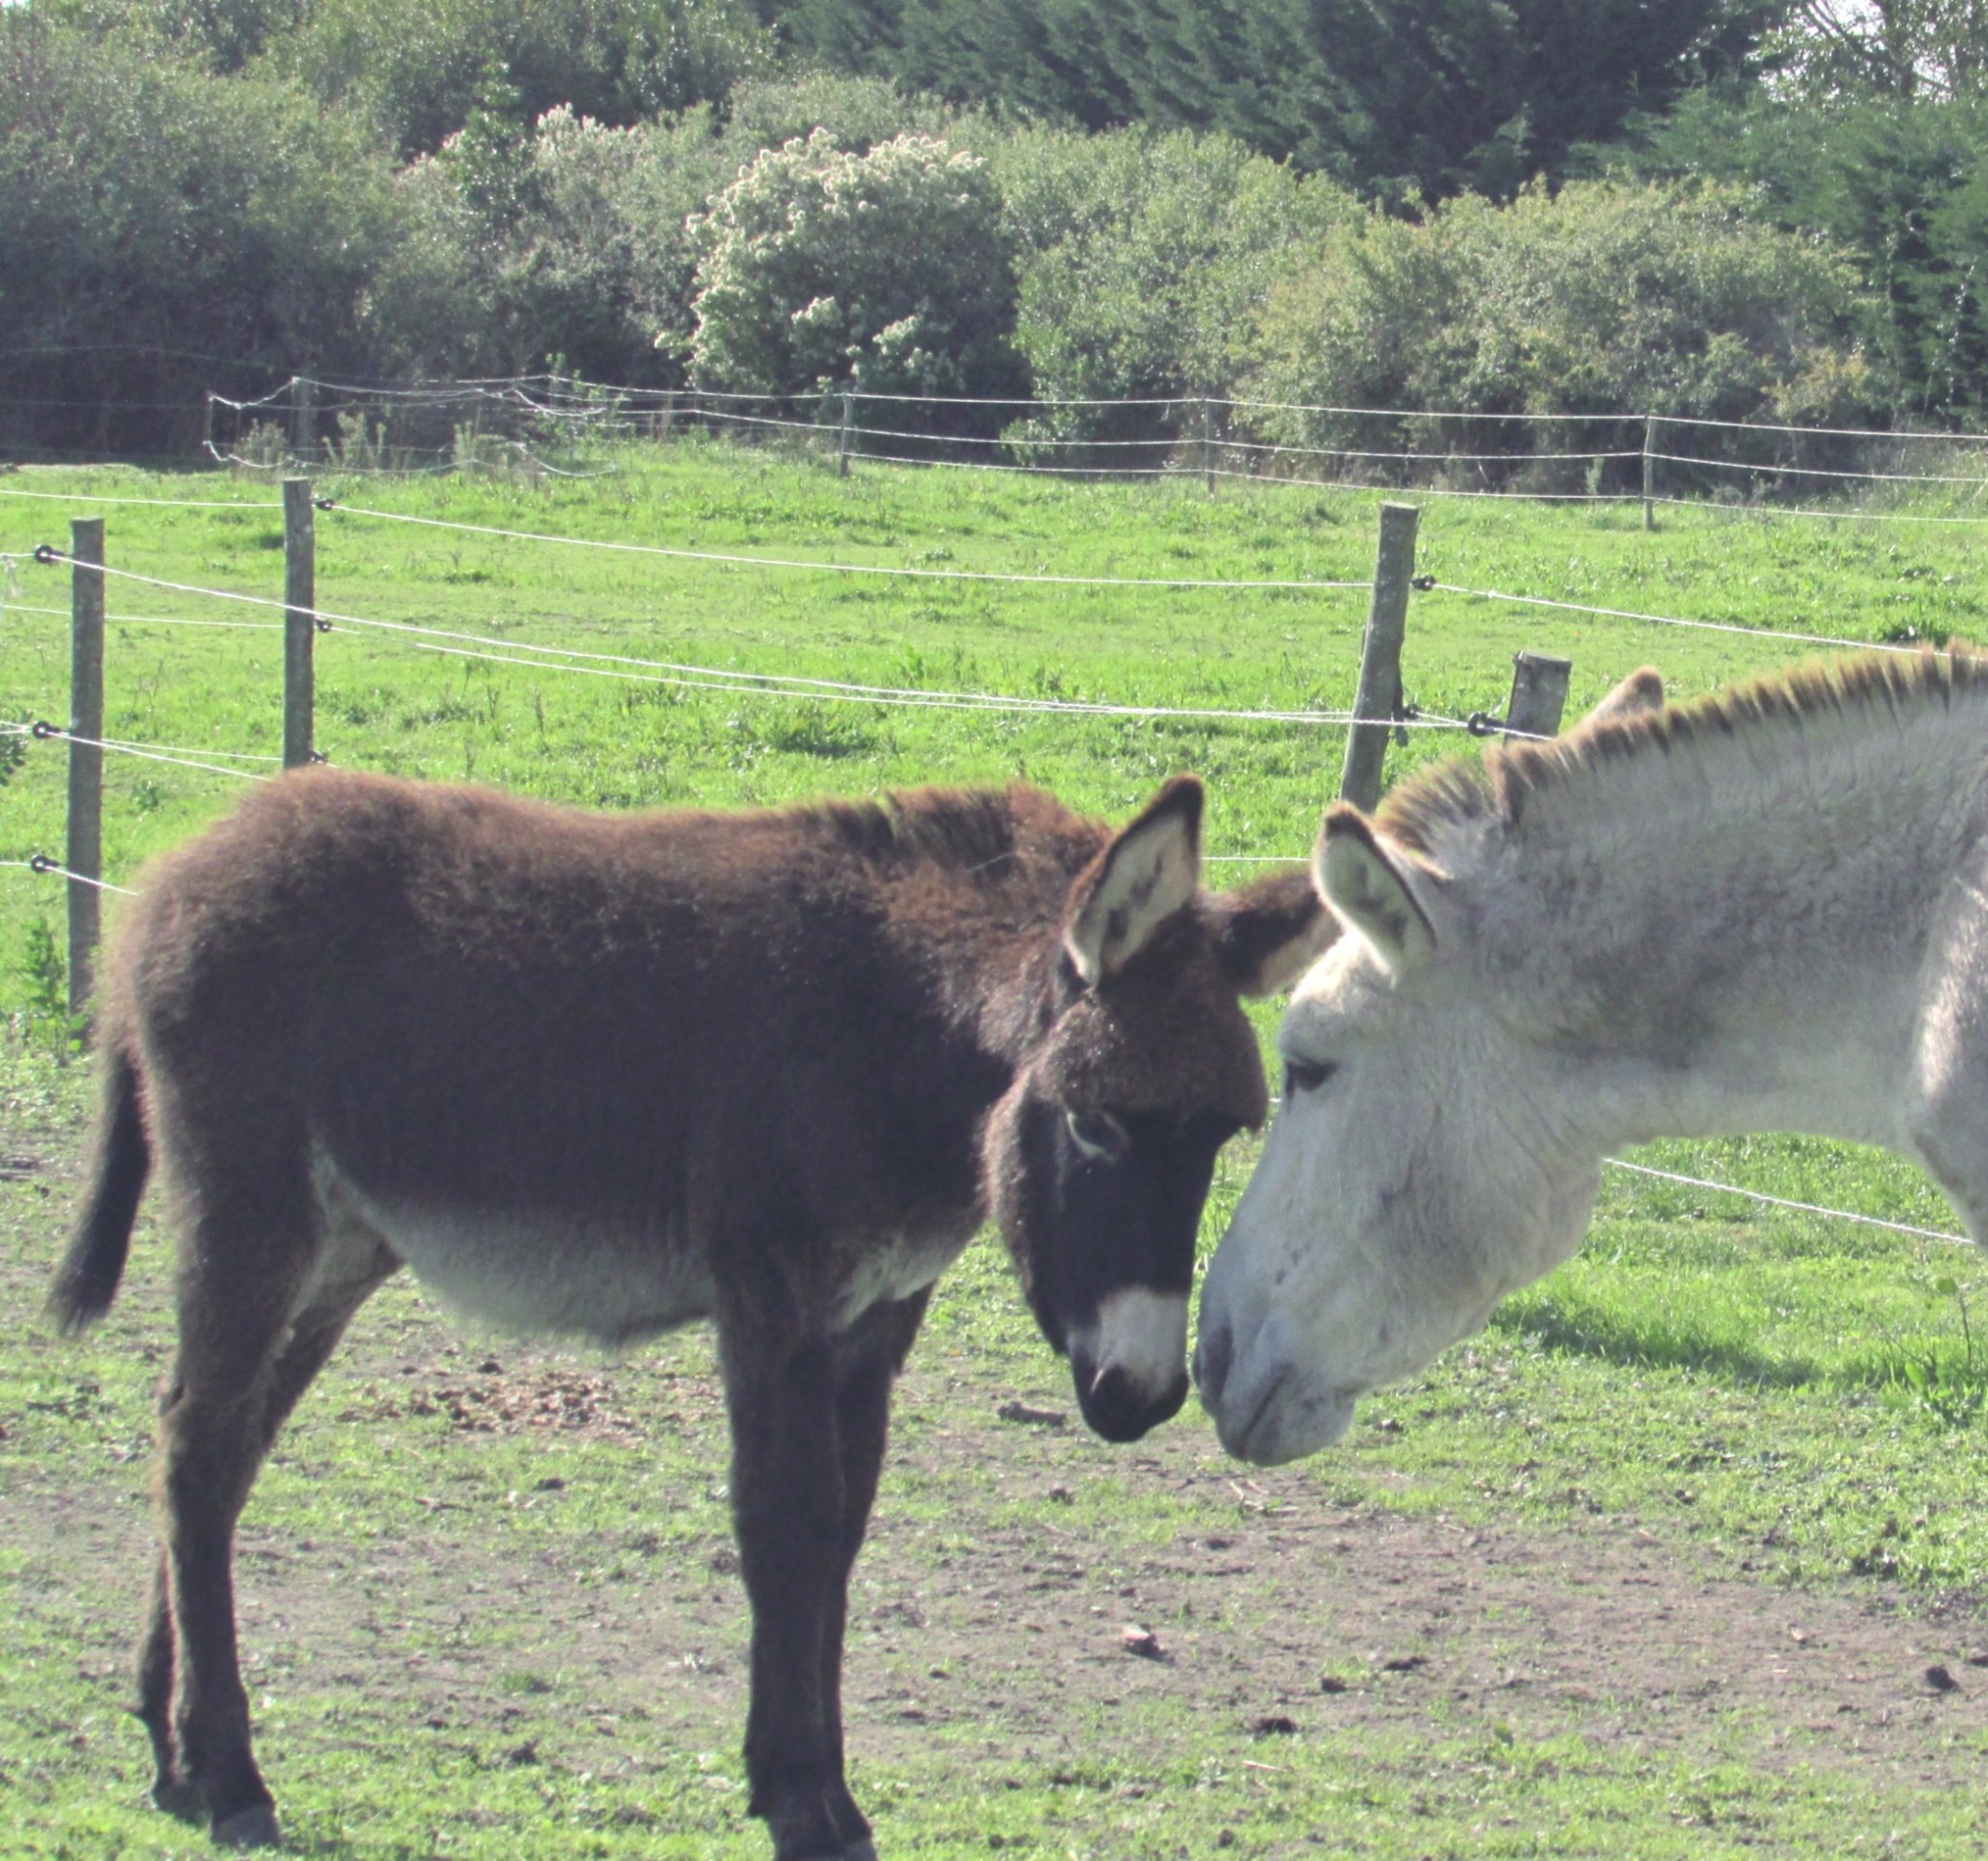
(822, 269)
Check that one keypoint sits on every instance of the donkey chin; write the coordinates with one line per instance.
(1293, 1418)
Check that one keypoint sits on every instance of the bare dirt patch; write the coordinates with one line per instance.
(1297, 1617)
(547, 1400)
(1026, 1590)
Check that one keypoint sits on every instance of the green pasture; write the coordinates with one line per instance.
(1782, 1394)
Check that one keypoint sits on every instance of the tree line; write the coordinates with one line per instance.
(1735, 208)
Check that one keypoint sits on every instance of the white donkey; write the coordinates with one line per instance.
(1764, 911)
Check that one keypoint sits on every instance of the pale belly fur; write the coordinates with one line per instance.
(547, 1272)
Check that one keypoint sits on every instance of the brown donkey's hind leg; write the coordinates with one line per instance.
(251, 1337)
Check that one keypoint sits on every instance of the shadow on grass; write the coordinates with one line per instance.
(1658, 1347)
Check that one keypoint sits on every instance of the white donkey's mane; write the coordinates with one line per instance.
(1804, 714)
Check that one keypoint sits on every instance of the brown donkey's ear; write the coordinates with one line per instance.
(1269, 932)
(1149, 872)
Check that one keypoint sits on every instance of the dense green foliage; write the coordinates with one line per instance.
(1248, 199)
(1901, 187)
(1429, 97)
(1144, 258)
(1666, 298)
(158, 223)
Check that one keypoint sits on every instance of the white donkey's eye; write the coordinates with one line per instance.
(1306, 1075)
(1098, 1135)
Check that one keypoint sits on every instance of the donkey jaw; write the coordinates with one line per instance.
(1287, 1419)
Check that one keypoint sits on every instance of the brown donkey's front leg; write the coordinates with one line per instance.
(867, 1360)
(809, 1417)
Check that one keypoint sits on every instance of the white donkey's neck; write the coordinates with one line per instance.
(1721, 930)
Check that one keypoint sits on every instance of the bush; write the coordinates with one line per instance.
(571, 239)
(419, 71)
(1900, 185)
(167, 230)
(1143, 258)
(821, 269)
(1604, 298)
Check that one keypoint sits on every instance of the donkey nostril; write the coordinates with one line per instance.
(1213, 1356)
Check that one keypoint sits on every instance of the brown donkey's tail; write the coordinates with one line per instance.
(87, 1281)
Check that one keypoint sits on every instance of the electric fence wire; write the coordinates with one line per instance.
(50, 869)
(470, 645)
(1014, 576)
(1675, 620)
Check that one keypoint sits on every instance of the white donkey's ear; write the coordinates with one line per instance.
(1152, 870)
(1371, 887)
(1637, 696)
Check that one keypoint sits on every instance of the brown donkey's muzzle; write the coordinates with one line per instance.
(1114, 1407)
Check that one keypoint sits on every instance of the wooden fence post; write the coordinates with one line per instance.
(1649, 471)
(300, 620)
(1379, 694)
(841, 470)
(1208, 445)
(302, 421)
(1539, 695)
(85, 852)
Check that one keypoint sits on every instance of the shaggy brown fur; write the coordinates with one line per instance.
(605, 1076)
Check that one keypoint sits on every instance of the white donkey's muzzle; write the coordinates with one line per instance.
(1267, 1407)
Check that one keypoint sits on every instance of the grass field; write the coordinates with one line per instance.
(1784, 1411)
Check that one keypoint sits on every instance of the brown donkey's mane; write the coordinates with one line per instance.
(1498, 786)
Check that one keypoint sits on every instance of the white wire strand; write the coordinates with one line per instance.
(181, 503)
(181, 750)
(1713, 507)
(1674, 620)
(1178, 582)
(779, 684)
(47, 868)
(54, 733)
(153, 619)
(1814, 471)
(1783, 1202)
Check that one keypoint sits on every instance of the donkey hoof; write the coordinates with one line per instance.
(179, 1798)
(254, 1827)
(864, 1849)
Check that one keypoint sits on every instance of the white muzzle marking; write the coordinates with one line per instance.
(1140, 1333)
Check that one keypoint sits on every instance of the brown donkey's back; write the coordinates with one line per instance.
(605, 1075)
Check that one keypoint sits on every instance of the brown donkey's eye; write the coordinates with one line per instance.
(1306, 1075)
(1098, 1135)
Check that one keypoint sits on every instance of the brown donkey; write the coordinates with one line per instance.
(602, 1075)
